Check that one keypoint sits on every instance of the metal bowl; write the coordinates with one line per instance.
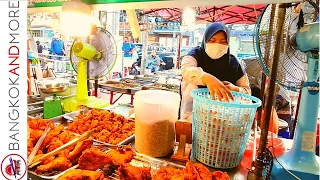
(54, 88)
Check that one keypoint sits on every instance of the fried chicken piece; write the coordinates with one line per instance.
(203, 171)
(54, 144)
(218, 175)
(78, 149)
(36, 134)
(190, 172)
(121, 156)
(93, 159)
(58, 164)
(168, 173)
(129, 172)
(79, 174)
(66, 136)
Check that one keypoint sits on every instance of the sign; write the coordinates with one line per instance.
(53, 3)
(242, 33)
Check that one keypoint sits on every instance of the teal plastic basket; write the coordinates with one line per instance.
(220, 130)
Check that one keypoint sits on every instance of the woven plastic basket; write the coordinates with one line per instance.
(220, 130)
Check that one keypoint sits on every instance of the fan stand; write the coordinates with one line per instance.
(86, 53)
(301, 159)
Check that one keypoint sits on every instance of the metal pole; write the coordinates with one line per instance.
(145, 35)
(267, 60)
(179, 45)
(258, 163)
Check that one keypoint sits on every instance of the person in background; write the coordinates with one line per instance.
(153, 61)
(39, 47)
(212, 66)
(127, 48)
(57, 46)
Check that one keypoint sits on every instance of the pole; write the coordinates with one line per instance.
(258, 163)
(267, 60)
(145, 35)
(179, 45)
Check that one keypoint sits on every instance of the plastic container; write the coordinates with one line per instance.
(221, 129)
(156, 112)
(277, 143)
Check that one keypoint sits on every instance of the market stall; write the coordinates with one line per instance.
(143, 141)
(168, 81)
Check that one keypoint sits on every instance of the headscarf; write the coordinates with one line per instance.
(222, 68)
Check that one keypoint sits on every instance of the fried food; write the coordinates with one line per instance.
(168, 173)
(78, 174)
(93, 159)
(203, 171)
(129, 172)
(55, 138)
(121, 156)
(107, 126)
(218, 175)
(60, 163)
(190, 172)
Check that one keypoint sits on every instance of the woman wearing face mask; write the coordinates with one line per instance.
(211, 65)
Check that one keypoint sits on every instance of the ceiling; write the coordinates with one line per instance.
(240, 14)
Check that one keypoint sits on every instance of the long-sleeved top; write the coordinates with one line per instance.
(192, 74)
(192, 78)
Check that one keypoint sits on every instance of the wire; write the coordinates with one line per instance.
(293, 175)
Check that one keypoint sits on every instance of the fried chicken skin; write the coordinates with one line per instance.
(168, 173)
(121, 156)
(93, 159)
(129, 172)
(78, 149)
(218, 175)
(58, 164)
(79, 174)
(190, 172)
(203, 171)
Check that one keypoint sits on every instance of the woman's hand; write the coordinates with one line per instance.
(230, 86)
(216, 87)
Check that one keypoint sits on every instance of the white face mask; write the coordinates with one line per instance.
(216, 50)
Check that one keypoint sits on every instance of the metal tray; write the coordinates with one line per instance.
(141, 160)
(106, 85)
(163, 87)
(61, 120)
(95, 144)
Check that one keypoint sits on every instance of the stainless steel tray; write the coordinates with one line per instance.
(52, 176)
(61, 120)
(141, 160)
(108, 85)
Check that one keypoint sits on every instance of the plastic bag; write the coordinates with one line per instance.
(187, 103)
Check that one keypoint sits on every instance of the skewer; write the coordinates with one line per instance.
(39, 143)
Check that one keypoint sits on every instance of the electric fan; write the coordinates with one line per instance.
(92, 58)
(298, 69)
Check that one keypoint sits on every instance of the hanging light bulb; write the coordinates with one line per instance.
(75, 19)
(188, 17)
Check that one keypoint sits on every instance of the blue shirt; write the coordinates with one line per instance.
(127, 47)
(57, 46)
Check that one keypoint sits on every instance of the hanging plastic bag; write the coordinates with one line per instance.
(186, 103)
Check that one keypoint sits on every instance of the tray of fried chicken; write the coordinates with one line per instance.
(108, 127)
(125, 164)
(56, 137)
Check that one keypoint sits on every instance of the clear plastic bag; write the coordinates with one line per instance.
(186, 103)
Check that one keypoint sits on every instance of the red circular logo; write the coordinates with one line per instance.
(13, 167)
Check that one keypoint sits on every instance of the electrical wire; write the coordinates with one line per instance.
(293, 175)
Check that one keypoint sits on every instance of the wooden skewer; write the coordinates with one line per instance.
(58, 150)
(39, 143)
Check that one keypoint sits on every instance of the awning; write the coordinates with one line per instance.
(246, 14)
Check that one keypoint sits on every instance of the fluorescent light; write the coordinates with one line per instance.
(188, 17)
(75, 19)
